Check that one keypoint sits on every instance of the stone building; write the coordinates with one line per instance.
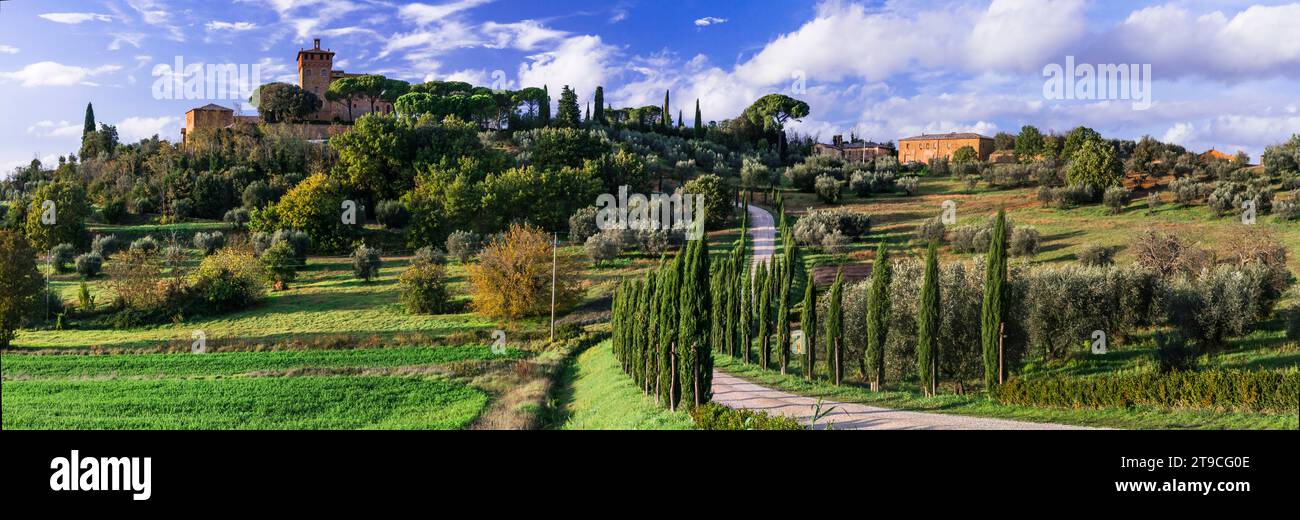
(858, 151)
(923, 147)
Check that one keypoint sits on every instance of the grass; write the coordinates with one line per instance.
(595, 394)
(22, 367)
(326, 299)
(978, 405)
(339, 402)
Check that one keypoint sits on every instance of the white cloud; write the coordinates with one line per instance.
(76, 18)
(8, 49)
(157, 14)
(580, 62)
(1024, 34)
(132, 39)
(524, 36)
(1180, 133)
(709, 20)
(478, 78)
(133, 129)
(49, 128)
(425, 14)
(1257, 41)
(217, 25)
(52, 74)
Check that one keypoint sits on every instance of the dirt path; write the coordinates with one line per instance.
(734, 392)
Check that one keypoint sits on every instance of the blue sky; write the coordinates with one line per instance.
(1226, 74)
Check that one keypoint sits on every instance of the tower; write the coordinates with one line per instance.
(315, 68)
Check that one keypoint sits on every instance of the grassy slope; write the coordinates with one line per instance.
(243, 403)
(596, 395)
(1136, 417)
(325, 299)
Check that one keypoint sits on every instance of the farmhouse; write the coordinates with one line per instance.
(924, 147)
(856, 151)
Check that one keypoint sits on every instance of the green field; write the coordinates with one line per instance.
(595, 394)
(340, 402)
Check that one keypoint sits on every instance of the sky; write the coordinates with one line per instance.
(1223, 74)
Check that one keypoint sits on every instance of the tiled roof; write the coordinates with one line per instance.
(954, 135)
(212, 106)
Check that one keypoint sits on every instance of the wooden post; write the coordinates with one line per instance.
(555, 244)
(1002, 328)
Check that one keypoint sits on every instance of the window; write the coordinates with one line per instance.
(324, 73)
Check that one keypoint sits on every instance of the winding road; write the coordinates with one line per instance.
(734, 392)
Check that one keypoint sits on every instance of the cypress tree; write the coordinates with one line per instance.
(878, 317)
(783, 317)
(587, 118)
(600, 106)
(634, 325)
(89, 125)
(699, 127)
(681, 121)
(667, 118)
(808, 324)
(746, 314)
(927, 325)
(546, 106)
(717, 303)
(992, 314)
(650, 310)
(759, 321)
(765, 313)
(666, 385)
(834, 330)
(616, 324)
(694, 317)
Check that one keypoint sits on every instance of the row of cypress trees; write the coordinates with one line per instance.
(662, 328)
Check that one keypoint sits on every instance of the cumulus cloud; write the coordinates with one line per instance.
(709, 20)
(581, 62)
(76, 18)
(1024, 34)
(1257, 41)
(133, 129)
(49, 128)
(53, 74)
(524, 36)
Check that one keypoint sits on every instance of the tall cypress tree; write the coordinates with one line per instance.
(681, 121)
(634, 323)
(600, 106)
(993, 312)
(765, 320)
(666, 385)
(694, 315)
(878, 317)
(808, 324)
(718, 302)
(699, 126)
(546, 106)
(746, 324)
(835, 330)
(89, 125)
(667, 118)
(587, 118)
(756, 301)
(650, 309)
(927, 325)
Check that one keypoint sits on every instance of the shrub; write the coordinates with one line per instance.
(1153, 202)
(61, 257)
(1187, 191)
(424, 288)
(208, 243)
(463, 245)
(1217, 304)
(133, 275)
(909, 184)
(939, 167)
(71, 210)
(865, 183)
(512, 278)
(392, 214)
(1173, 353)
(1240, 390)
(366, 263)
(1094, 255)
(104, 245)
(228, 280)
(89, 265)
(281, 264)
(257, 195)
(718, 199)
(582, 225)
(1115, 198)
(803, 176)
(261, 241)
(828, 189)
(836, 243)
(602, 247)
(1024, 241)
(974, 238)
(1288, 209)
(1169, 254)
(296, 239)
(430, 255)
(237, 216)
(20, 282)
(146, 244)
(931, 230)
(1062, 306)
(313, 207)
(1011, 175)
(813, 227)
(713, 416)
(1230, 197)
(114, 210)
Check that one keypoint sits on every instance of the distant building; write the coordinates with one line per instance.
(315, 74)
(858, 151)
(1215, 154)
(924, 147)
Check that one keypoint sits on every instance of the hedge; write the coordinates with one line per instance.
(713, 416)
(1236, 390)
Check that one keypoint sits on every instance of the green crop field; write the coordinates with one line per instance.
(595, 395)
(243, 403)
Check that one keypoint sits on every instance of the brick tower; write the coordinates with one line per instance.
(315, 68)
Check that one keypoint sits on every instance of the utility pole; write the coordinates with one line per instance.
(555, 244)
